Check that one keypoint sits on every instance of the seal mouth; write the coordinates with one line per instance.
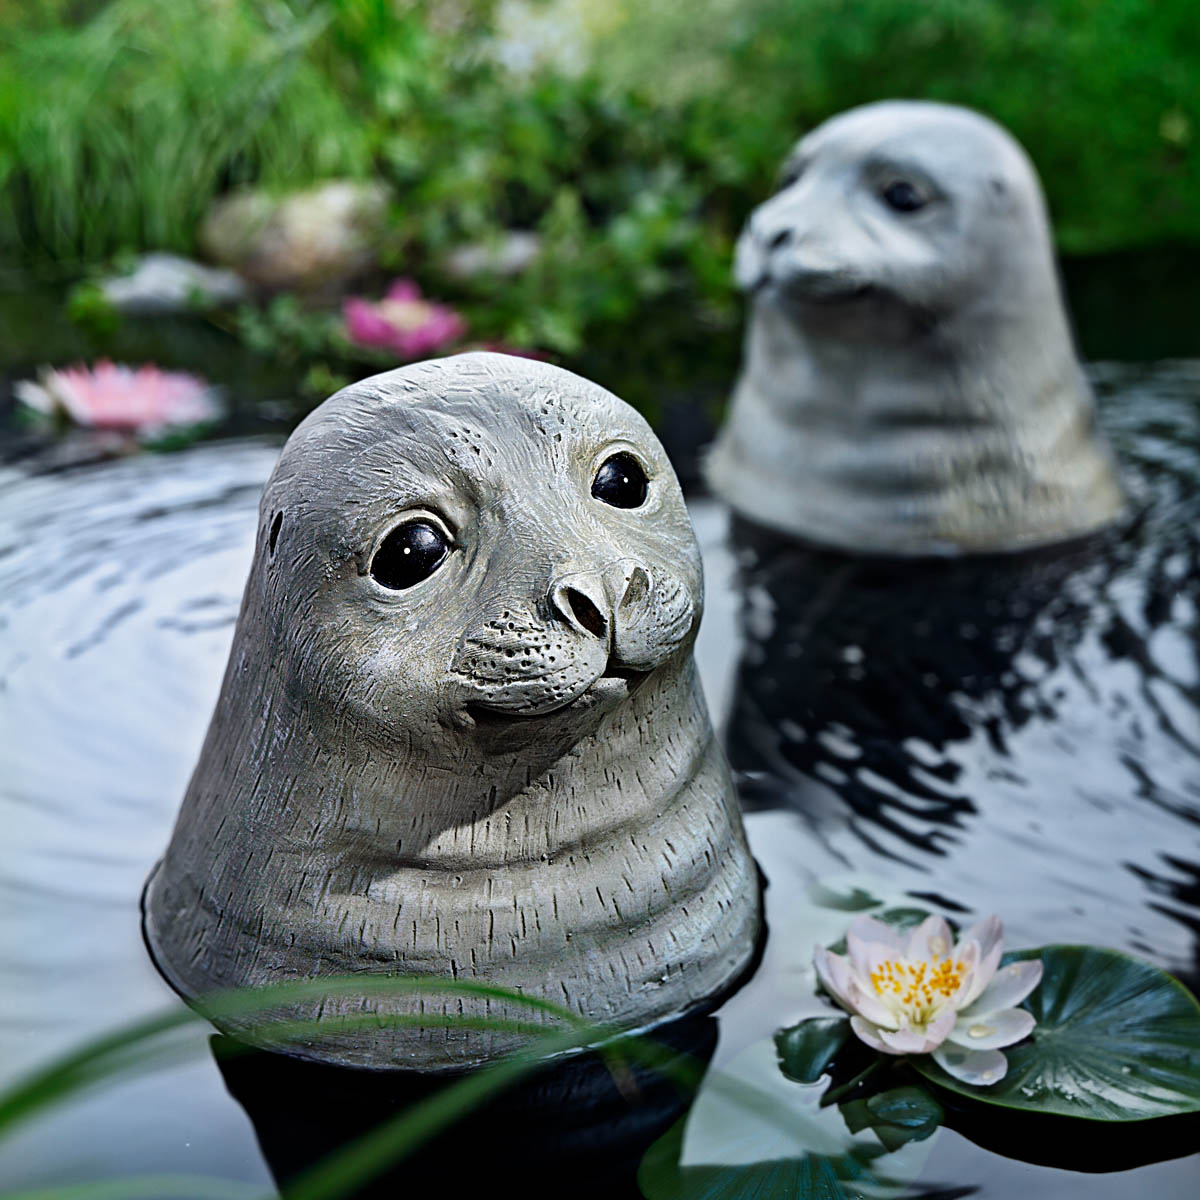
(823, 293)
(616, 685)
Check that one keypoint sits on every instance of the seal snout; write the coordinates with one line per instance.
(594, 603)
(778, 252)
(600, 633)
(619, 606)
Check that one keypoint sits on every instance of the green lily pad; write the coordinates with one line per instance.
(898, 1116)
(855, 899)
(1117, 1039)
(806, 1050)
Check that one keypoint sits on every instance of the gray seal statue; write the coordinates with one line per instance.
(461, 733)
(909, 385)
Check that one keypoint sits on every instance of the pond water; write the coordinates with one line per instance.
(1013, 735)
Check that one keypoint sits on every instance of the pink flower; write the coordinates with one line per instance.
(402, 322)
(109, 395)
(920, 993)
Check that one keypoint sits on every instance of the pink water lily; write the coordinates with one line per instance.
(143, 399)
(922, 993)
(402, 321)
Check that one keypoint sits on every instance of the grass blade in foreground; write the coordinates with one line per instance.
(111, 1056)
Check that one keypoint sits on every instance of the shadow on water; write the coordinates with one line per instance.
(578, 1126)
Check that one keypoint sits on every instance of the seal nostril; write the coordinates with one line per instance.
(637, 588)
(780, 239)
(586, 613)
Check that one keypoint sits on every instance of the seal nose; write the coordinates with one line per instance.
(584, 604)
(595, 602)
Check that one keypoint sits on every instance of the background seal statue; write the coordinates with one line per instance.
(460, 733)
(909, 384)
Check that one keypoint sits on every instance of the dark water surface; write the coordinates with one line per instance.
(1019, 736)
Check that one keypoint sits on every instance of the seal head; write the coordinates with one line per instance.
(460, 734)
(909, 384)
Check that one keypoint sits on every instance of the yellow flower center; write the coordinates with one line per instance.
(918, 990)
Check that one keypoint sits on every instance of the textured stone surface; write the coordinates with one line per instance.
(909, 384)
(505, 772)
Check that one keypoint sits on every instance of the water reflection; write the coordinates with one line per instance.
(1014, 734)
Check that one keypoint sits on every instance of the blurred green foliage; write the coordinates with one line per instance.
(1104, 94)
(120, 121)
(119, 125)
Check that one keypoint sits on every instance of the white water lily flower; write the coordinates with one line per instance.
(920, 993)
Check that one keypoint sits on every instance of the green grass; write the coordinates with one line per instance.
(116, 132)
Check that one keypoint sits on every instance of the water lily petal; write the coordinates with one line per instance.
(982, 975)
(869, 1033)
(988, 932)
(847, 989)
(863, 1000)
(1008, 987)
(941, 1028)
(980, 1067)
(34, 396)
(403, 289)
(931, 939)
(869, 942)
(834, 973)
(918, 1041)
(987, 936)
(866, 928)
(1000, 1028)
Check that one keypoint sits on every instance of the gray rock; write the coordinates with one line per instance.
(318, 238)
(909, 384)
(166, 283)
(512, 254)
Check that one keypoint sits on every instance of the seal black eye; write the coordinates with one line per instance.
(903, 197)
(410, 553)
(620, 482)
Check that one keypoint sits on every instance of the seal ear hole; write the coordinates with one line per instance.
(275, 527)
(409, 554)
